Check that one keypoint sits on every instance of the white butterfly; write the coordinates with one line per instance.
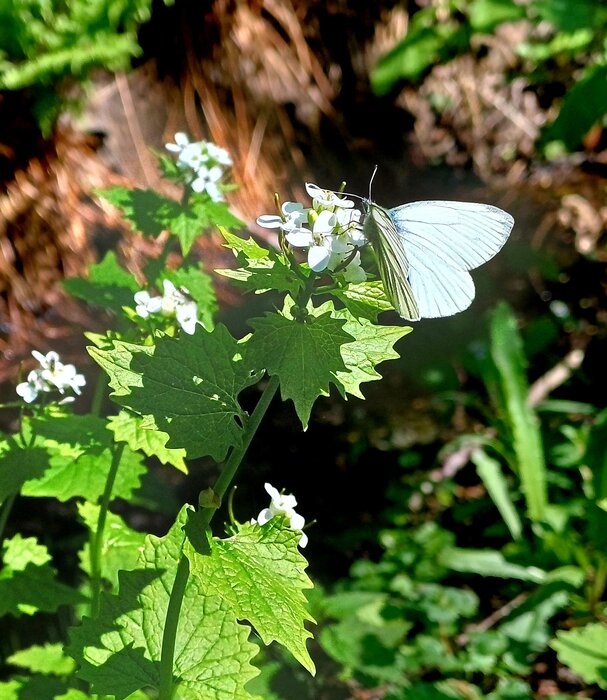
(425, 249)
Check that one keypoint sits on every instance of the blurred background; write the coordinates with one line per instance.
(499, 101)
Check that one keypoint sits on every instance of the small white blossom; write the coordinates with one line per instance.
(327, 198)
(174, 302)
(52, 375)
(282, 504)
(206, 161)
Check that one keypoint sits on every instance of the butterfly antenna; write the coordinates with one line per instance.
(371, 181)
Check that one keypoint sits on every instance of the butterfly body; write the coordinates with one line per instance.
(424, 251)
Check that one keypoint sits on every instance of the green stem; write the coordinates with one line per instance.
(5, 511)
(228, 473)
(97, 538)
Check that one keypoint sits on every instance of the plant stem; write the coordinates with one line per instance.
(224, 480)
(97, 538)
(5, 511)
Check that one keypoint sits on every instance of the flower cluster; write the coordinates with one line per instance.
(205, 161)
(52, 375)
(174, 302)
(330, 229)
(282, 504)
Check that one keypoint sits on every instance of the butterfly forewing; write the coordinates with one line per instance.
(391, 260)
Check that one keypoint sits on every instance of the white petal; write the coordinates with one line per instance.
(264, 516)
(303, 540)
(269, 221)
(314, 190)
(271, 491)
(27, 391)
(297, 521)
(318, 257)
(300, 238)
(325, 223)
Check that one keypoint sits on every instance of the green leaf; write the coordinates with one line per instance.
(108, 285)
(140, 435)
(28, 582)
(584, 651)
(19, 464)
(486, 15)
(372, 344)
(190, 386)
(569, 15)
(48, 660)
(259, 572)
(38, 687)
(119, 652)
(80, 451)
(492, 476)
(487, 562)
(304, 355)
(151, 213)
(115, 357)
(428, 42)
(262, 269)
(120, 548)
(364, 300)
(507, 354)
(583, 106)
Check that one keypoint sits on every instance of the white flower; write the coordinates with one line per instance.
(327, 198)
(294, 218)
(146, 304)
(50, 376)
(174, 302)
(283, 504)
(205, 160)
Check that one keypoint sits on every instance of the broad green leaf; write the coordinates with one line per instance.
(584, 105)
(139, 434)
(584, 651)
(190, 385)
(262, 269)
(364, 300)
(114, 356)
(48, 659)
(372, 344)
(121, 545)
(304, 354)
(259, 572)
(80, 452)
(119, 652)
(507, 354)
(19, 464)
(28, 582)
(108, 285)
(488, 562)
(492, 476)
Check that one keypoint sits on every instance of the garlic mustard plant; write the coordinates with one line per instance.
(183, 615)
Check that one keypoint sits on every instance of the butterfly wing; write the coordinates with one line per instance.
(391, 260)
(443, 240)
